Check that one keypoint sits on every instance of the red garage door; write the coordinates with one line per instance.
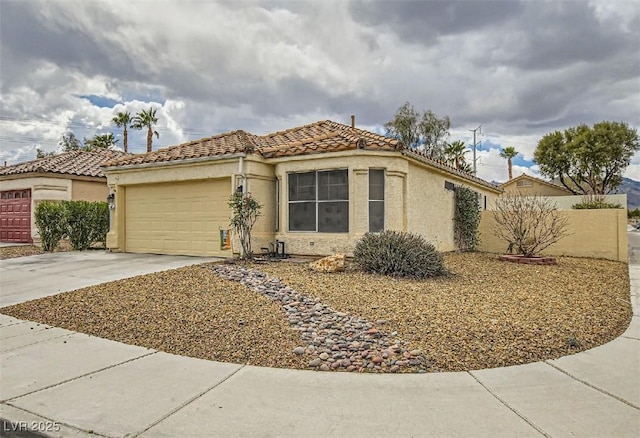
(15, 216)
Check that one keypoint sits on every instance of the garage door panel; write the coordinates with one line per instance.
(182, 218)
(15, 216)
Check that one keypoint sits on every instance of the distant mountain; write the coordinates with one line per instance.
(631, 188)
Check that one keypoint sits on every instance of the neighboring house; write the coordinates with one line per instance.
(69, 176)
(530, 185)
(322, 186)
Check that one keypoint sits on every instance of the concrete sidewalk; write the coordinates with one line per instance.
(89, 386)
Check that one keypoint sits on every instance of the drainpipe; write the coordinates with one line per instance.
(241, 172)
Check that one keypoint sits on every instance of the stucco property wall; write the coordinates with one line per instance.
(593, 233)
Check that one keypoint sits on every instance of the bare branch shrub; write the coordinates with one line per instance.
(530, 224)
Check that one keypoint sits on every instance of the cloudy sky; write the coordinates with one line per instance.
(520, 69)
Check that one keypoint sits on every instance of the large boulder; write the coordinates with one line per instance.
(334, 263)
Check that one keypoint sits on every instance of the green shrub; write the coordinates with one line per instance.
(594, 205)
(51, 223)
(100, 222)
(466, 219)
(398, 254)
(80, 226)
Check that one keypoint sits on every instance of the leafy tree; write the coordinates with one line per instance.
(245, 212)
(99, 141)
(42, 154)
(123, 120)
(146, 119)
(509, 153)
(588, 160)
(529, 224)
(69, 142)
(454, 154)
(420, 130)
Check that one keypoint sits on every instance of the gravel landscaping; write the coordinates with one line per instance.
(11, 252)
(486, 313)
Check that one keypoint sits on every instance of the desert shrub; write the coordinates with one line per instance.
(529, 224)
(398, 254)
(51, 223)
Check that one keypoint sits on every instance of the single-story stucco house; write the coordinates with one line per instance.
(322, 186)
(530, 185)
(69, 176)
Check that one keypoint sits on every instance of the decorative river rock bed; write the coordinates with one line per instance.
(332, 340)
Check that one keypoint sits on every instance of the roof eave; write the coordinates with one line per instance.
(107, 169)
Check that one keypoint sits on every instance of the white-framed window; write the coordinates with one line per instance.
(319, 201)
(524, 183)
(376, 200)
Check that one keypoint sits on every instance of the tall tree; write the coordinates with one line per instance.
(454, 154)
(588, 160)
(418, 130)
(509, 153)
(100, 141)
(146, 119)
(69, 142)
(123, 120)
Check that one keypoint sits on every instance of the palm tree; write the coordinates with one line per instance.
(454, 154)
(146, 119)
(123, 120)
(99, 141)
(509, 153)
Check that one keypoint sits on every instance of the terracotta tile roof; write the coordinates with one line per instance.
(323, 136)
(80, 163)
(319, 137)
(221, 144)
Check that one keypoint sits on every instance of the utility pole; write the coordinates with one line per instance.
(475, 143)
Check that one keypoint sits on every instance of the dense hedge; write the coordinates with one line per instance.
(83, 223)
(398, 254)
(466, 219)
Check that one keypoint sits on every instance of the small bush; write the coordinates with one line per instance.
(594, 205)
(51, 223)
(398, 254)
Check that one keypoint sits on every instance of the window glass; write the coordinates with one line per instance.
(302, 186)
(376, 216)
(333, 217)
(376, 184)
(302, 216)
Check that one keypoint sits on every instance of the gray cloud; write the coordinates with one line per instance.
(521, 69)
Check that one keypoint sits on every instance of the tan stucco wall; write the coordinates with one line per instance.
(593, 233)
(536, 188)
(259, 177)
(358, 164)
(89, 191)
(415, 198)
(431, 207)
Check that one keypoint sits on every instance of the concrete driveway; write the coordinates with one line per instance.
(74, 385)
(28, 278)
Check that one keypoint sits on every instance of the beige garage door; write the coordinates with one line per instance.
(177, 218)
